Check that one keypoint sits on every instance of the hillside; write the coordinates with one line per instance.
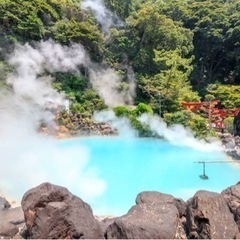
(153, 53)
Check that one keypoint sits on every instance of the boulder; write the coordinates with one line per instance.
(4, 204)
(8, 230)
(209, 217)
(12, 215)
(232, 197)
(149, 197)
(155, 216)
(11, 220)
(53, 212)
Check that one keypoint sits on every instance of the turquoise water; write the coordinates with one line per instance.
(129, 166)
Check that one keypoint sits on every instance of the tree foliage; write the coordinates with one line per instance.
(179, 50)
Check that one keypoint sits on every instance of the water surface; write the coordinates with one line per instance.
(129, 166)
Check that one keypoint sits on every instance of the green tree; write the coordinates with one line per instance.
(196, 123)
(171, 84)
(209, 21)
(229, 95)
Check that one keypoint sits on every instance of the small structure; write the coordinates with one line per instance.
(215, 113)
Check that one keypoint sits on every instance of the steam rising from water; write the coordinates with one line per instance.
(103, 15)
(177, 134)
(121, 124)
(28, 159)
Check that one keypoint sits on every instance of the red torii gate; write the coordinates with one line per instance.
(215, 114)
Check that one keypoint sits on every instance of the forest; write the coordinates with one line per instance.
(165, 52)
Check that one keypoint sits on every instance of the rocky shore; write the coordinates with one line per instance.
(73, 125)
(49, 211)
(231, 145)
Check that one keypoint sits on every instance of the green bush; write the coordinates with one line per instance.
(143, 130)
(142, 108)
(228, 123)
(179, 117)
(121, 111)
(195, 122)
(76, 108)
(198, 125)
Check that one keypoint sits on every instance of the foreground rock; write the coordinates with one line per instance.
(232, 197)
(11, 222)
(155, 216)
(53, 212)
(149, 197)
(209, 217)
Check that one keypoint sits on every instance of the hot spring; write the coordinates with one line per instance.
(129, 166)
(109, 172)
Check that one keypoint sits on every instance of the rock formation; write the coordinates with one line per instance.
(209, 217)
(51, 211)
(232, 197)
(231, 145)
(11, 220)
(155, 216)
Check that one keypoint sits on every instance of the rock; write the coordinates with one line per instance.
(146, 221)
(12, 215)
(234, 154)
(149, 197)
(8, 230)
(105, 222)
(53, 212)
(11, 220)
(209, 217)
(232, 197)
(4, 204)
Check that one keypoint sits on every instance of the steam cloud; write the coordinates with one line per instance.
(121, 124)
(108, 85)
(177, 134)
(28, 159)
(103, 15)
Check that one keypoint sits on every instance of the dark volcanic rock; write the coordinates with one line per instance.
(209, 217)
(155, 216)
(146, 221)
(53, 212)
(232, 197)
(149, 197)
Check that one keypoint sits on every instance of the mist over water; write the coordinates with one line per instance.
(28, 158)
(178, 135)
(121, 124)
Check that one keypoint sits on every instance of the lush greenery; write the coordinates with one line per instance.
(180, 50)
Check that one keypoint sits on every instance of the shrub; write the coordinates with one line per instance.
(142, 108)
(121, 111)
(228, 123)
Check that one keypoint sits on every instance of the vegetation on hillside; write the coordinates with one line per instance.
(179, 50)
